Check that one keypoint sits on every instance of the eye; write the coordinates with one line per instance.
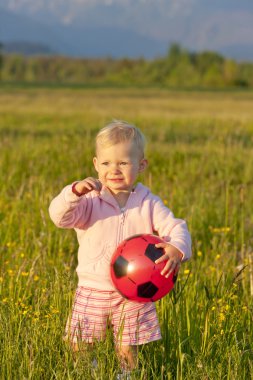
(105, 163)
(123, 163)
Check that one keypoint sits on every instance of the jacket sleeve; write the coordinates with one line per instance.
(171, 229)
(67, 210)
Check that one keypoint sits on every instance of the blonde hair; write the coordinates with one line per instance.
(119, 131)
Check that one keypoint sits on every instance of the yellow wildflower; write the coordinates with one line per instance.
(217, 230)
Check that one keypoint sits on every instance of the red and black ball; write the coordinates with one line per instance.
(134, 272)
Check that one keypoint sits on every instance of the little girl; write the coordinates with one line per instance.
(104, 211)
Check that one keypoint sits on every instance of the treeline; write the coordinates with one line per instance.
(180, 68)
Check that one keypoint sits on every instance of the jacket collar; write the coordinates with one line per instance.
(135, 197)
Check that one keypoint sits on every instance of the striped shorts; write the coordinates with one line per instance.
(94, 311)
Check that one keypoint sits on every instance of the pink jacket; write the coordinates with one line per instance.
(101, 225)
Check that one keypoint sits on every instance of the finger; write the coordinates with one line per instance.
(88, 185)
(170, 267)
(161, 245)
(162, 258)
(92, 184)
(174, 270)
(98, 185)
(177, 268)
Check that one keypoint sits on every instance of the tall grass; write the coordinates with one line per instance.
(200, 163)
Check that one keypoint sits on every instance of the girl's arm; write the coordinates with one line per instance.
(72, 208)
(174, 231)
(177, 245)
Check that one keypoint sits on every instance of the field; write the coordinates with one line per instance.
(200, 151)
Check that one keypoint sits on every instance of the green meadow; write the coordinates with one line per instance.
(200, 152)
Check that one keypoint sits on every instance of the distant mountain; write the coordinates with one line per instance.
(26, 48)
(133, 28)
(18, 27)
(78, 41)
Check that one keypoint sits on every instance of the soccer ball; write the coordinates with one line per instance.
(134, 272)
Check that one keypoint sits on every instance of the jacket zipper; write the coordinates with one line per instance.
(122, 221)
(121, 225)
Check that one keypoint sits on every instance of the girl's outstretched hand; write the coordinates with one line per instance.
(88, 184)
(174, 257)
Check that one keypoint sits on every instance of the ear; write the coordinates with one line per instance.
(143, 164)
(95, 163)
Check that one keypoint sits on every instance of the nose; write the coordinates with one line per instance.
(115, 168)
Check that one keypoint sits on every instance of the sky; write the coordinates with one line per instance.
(200, 24)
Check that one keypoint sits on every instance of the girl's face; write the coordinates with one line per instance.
(118, 166)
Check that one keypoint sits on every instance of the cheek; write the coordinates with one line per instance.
(133, 173)
(102, 172)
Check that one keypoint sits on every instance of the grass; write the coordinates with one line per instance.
(200, 163)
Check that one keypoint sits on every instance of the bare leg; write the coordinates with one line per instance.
(128, 357)
(83, 353)
(81, 348)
